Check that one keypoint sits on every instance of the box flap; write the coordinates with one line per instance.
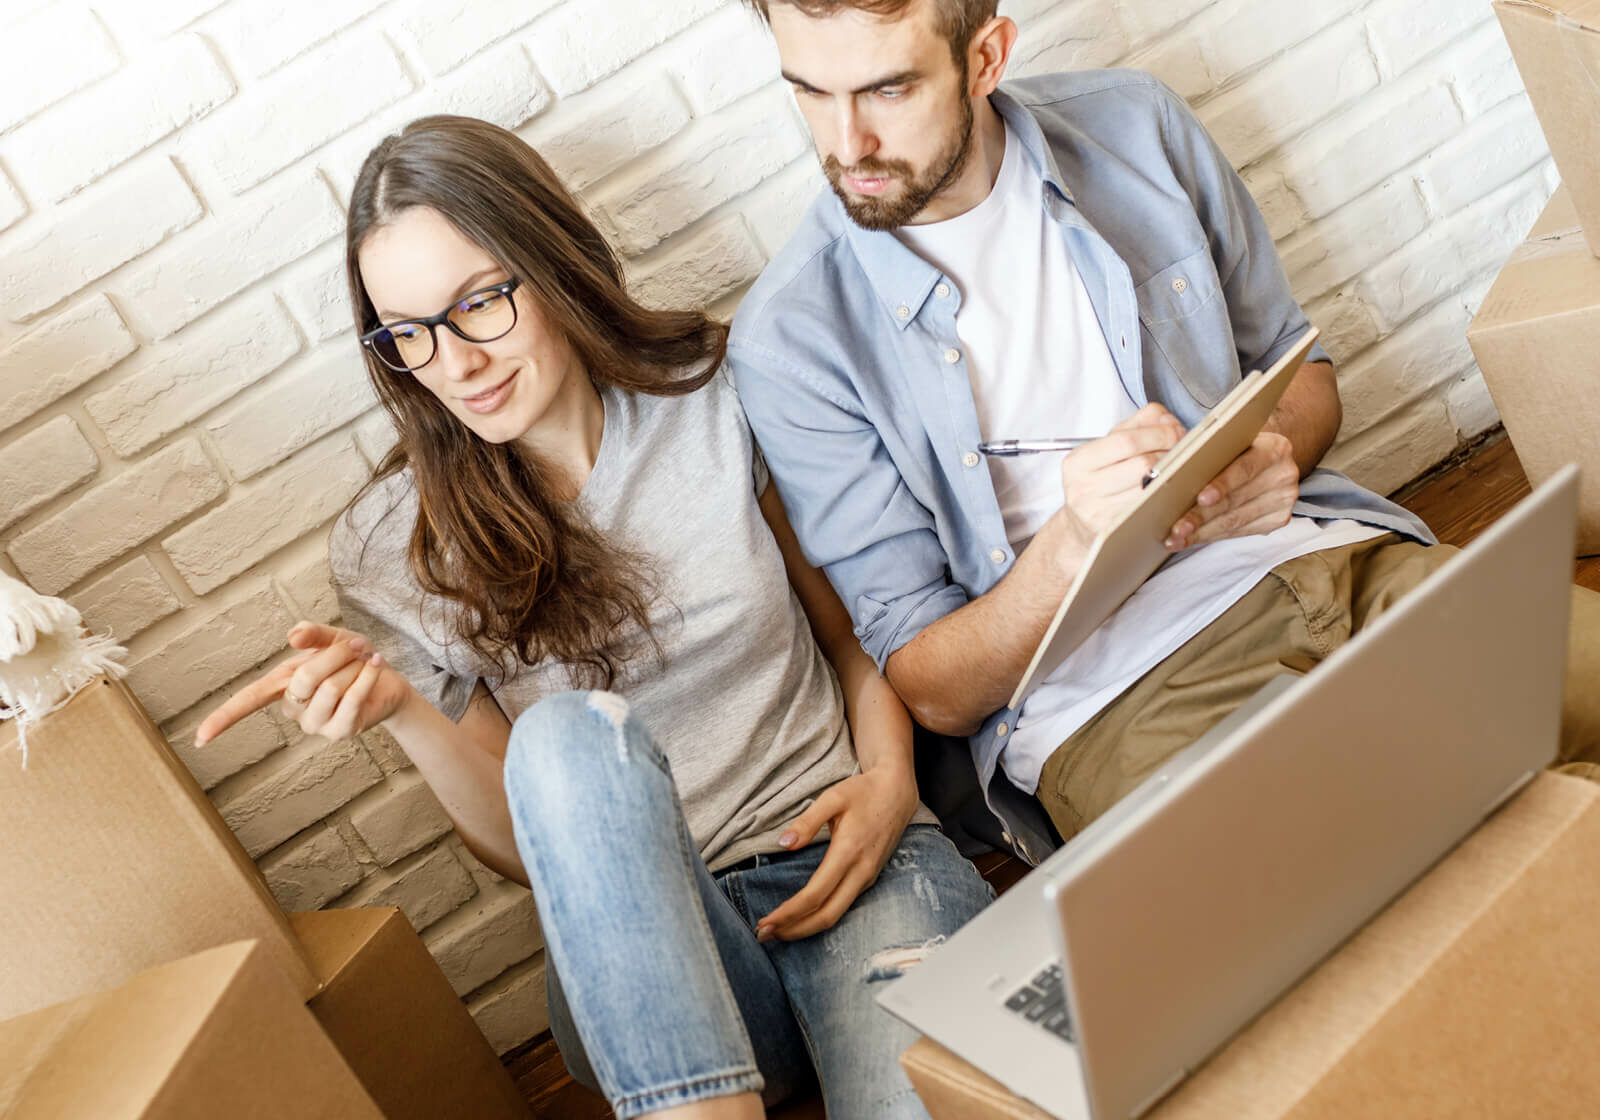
(109, 847)
(333, 939)
(1584, 13)
(1550, 275)
(953, 1090)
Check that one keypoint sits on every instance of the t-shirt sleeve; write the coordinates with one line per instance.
(379, 600)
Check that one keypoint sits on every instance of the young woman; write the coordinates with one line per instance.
(572, 595)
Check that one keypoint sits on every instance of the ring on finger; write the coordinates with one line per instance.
(300, 701)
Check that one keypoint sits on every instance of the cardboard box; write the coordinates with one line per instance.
(218, 1034)
(1476, 993)
(398, 1023)
(1557, 47)
(1537, 340)
(113, 861)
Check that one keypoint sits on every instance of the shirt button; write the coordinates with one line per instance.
(1180, 285)
(998, 556)
(1001, 731)
(943, 290)
(903, 312)
(970, 459)
(952, 355)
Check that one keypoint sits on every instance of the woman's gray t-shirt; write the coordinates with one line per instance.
(744, 706)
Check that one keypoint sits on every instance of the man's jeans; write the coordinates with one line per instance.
(665, 997)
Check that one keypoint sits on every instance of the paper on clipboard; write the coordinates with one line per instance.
(1128, 551)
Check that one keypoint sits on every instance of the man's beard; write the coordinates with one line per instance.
(889, 211)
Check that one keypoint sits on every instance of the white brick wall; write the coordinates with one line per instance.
(182, 413)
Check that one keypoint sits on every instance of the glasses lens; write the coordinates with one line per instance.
(484, 316)
(405, 345)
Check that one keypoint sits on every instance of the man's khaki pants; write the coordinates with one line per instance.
(1296, 616)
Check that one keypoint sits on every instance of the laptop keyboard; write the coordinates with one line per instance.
(1043, 1000)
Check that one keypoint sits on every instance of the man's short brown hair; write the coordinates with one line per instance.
(956, 20)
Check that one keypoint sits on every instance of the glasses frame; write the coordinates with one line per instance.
(442, 319)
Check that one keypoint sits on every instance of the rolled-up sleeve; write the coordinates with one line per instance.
(852, 511)
(1266, 317)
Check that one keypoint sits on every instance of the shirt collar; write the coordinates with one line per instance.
(903, 280)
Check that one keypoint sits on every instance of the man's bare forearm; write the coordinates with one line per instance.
(964, 666)
(1309, 414)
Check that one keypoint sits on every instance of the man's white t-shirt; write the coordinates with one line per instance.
(1040, 367)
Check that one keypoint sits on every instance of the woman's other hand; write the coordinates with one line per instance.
(866, 815)
(337, 687)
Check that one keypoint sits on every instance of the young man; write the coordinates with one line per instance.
(1068, 255)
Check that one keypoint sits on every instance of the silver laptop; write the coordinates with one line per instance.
(1115, 968)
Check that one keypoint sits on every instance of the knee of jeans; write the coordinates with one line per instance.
(567, 742)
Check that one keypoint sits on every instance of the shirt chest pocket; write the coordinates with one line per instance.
(1187, 334)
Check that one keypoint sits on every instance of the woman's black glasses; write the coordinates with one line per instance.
(480, 316)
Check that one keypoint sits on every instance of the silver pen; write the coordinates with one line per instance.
(1006, 448)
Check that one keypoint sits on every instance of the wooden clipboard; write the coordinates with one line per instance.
(1127, 552)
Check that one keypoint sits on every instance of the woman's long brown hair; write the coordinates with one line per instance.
(529, 576)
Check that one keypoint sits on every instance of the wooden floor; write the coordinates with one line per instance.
(1458, 501)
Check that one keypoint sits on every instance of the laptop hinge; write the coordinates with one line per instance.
(1155, 1098)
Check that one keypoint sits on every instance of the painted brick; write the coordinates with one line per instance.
(668, 190)
(700, 269)
(311, 872)
(1428, 352)
(256, 736)
(59, 355)
(774, 208)
(128, 601)
(310, 587)
(300, 108)
(479, 872)
(1280, 207)
(1346, 323)
(1080, 36)
(515, 1009)
(310, 399)
(480, 941)
(721, 59)
(1239, 35)
(1404, 32)
(1498, 147)
(1470, 407)
(1349, 155)
(588, 138)
(573, 57)
(1277, 102)
(294, 788)
(105, 227)
(116, 516)
(375, 436)
(201, 270)
(386, 751)
(425, 887)
(12, 208)
(258, 38)
(44, 464)
(1353, 238)
(210, 654)
(266, 514)
(1483, 71)
(1180, 63)
(318, 294)
(1472, 241)
(69, 146)
(171, 383)
(501, 87)
(397, 820)
(48, 55)
(447, 35)
(1146, 20)
(1392, 453)
(153, 19)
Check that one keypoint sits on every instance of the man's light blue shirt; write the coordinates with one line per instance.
(847, 359)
